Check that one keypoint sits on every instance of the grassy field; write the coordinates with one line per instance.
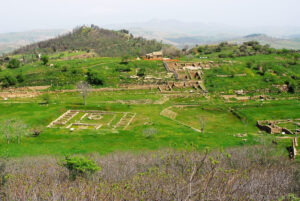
(221, 125)
(226, 122)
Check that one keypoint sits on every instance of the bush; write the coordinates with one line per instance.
(8, 80)
(222, 55)
(125, 60)
(79, 166)
(292, 86)
(94, 78)
(45, 59)
(14, 63)
(218, 49)
(36, 132)
(46, 98)
(123, 69)
(200, 49)
(249, 64)
(20, 77)
(141, 72)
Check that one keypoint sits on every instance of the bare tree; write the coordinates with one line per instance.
(13, 129)
(171, 51)
(84, 89)
(202, 123)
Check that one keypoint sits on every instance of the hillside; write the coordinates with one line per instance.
(102, 41)
(14, 40)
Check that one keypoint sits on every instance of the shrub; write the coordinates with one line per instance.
(222, 55)
(292, 86)
(79, 166)
(94, 77)
(141, 72)
(20, 77)
(200, 49)
(46, 98)
(64, 69)
(218, 49)
(123, 69)
(36, 132)
(249, 64)
(125, 60)
(14, 63)
(8, 80)
(45, 59)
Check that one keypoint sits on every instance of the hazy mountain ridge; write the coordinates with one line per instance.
(274, 42)
(174, 32)
(181, 33)
(14, 40)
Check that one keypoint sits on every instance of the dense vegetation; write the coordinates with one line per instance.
(106, 43)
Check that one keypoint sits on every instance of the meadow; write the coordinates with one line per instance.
(257, 71)
(148, 131)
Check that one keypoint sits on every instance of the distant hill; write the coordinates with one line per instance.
(180, 33)
(102, 41)
(295, 37)
(263, 39)
(14, 40)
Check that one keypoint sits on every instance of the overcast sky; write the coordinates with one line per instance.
(20, 15)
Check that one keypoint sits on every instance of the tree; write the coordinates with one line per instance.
(202, 123)
(84, 89)
(185, 49)
(14, 63)
(45, 59)
(13, 129)
(171, 51)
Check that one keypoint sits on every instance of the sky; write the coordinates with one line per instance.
(24, 15)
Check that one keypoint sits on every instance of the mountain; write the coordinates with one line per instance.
(14, 40)
(274, 42)
(295, 37)
(102, 41)
(178, 33)
(181, 33)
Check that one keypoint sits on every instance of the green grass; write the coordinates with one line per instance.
(223, 120)
(220, 130)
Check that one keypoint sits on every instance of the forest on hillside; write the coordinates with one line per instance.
(105, 43)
